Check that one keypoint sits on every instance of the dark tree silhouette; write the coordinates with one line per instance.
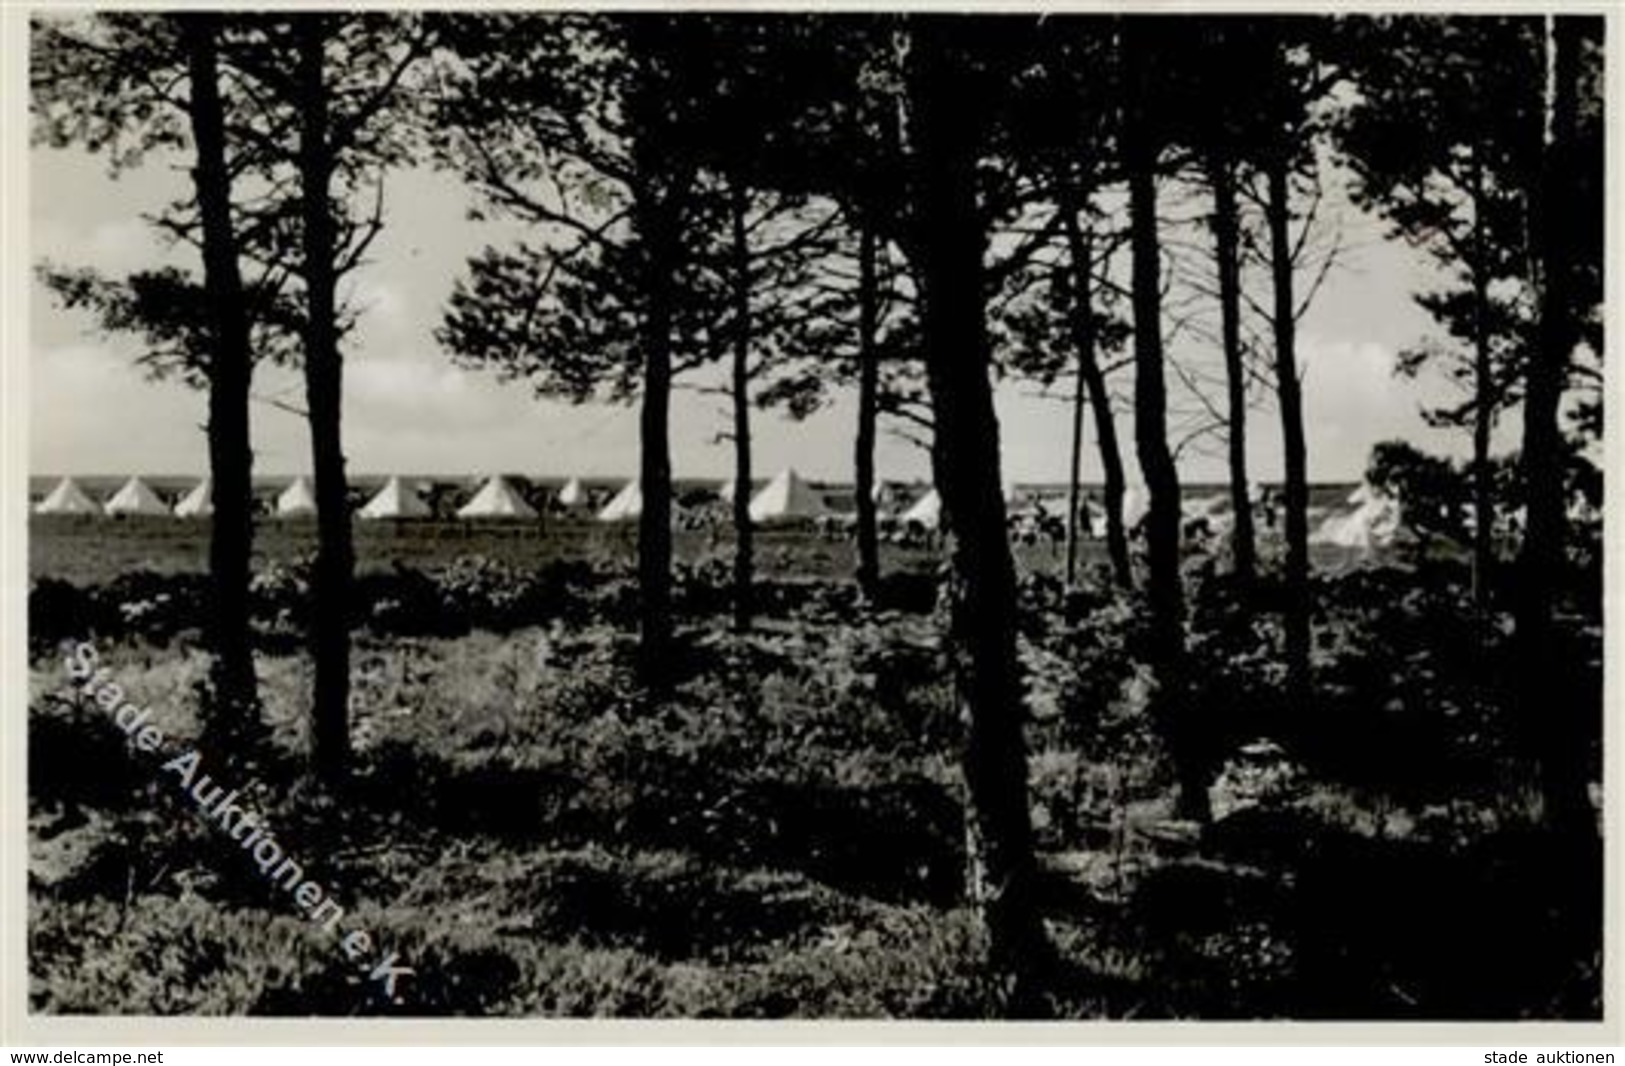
(946, 111)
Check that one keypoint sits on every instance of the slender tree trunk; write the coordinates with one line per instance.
(234, 709)
(1290, 397)
(1092, 380)
(1074, 482)
(949, 239)
(1173, 706)
(324, 392)
(1226, 248)
(1111, 465)
(662, 180)
(654, 522)
(1483, 408)
(868, 409)
(1081, 324)
(743, 533)
(1559, 727)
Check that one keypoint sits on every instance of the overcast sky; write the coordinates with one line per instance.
(407, 408)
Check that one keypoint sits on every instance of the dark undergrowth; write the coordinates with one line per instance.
(534, 835)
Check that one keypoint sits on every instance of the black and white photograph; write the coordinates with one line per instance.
(1086, 516)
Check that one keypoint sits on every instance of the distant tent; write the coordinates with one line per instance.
(1373, 523)
(297, 500)
(496, 499)
(573, 494)
(787, 496)
(627, 504)
(725, 492)
(1136, 505)
(68, 498)
(136, 498)
(927, 511)
(395, 500)
(199, 503)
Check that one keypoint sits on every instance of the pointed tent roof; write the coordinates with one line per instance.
(927, 510)
(628, 503)
(68, 498)
(725, 491)
(573, 494)
(199, 502)
(136, 498)
(496, 499)
(395, 500)
(787, 496)
(297, 499)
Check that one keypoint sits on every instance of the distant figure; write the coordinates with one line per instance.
(1266, 505)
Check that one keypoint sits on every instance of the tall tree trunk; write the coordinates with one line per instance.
(1081, 325)
(233, 714)
(948, 241)
(654, 522)
(868, 408)
(743, 533)
(1290, 397)
(1172, 704)
(1483, 407)
(1093, 381)
(324, 393)
(1074, 481)
(1560, 728)
(1111, 465)
(1226, 250)
(662, 178)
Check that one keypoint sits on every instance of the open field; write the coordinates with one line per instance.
(97, 549)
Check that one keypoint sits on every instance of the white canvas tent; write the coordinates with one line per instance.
(136, 498)
(927, 511)
(573, 494)
(1373, 523)
(787, 496)
(1136, 505)
(68, 498)
(725, 492)
(395, 500)
(199, 502)
(297, 500)
(627, 504)
(496, 499)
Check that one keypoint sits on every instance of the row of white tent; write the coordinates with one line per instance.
(496, 498)
(1370, 519)
(786, 496)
